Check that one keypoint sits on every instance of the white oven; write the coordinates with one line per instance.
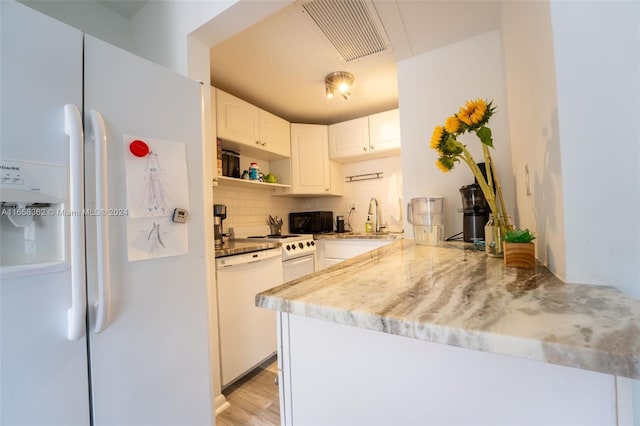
(298, 254)
(299, 263)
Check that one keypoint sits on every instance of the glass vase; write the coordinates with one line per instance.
(493, 235)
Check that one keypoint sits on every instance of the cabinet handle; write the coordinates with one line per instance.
(263, 144)
(373, 147)
(326, 189)
(364, 148)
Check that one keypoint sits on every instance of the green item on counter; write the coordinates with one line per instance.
(519, 236)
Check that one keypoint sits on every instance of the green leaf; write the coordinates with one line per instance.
(451, 146)
(519, 236)
(484, 133)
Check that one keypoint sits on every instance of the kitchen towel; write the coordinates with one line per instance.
(394, 196)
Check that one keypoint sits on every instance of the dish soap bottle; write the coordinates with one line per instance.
(368, 226)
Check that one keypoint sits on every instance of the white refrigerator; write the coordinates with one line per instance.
(88, 336)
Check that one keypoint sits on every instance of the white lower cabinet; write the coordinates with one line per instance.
(334, 374)
(331, 252)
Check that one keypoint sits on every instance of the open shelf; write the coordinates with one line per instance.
(225, 180)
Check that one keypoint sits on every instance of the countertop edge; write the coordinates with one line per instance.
(532, 349)
(621, 362)
(358, 236)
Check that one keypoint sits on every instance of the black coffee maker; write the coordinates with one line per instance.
(219, 214)
(476, 209)
(476, 213)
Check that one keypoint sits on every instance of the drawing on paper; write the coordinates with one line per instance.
(149, 238)
(155, 239)
(157, 182)
(154, 190)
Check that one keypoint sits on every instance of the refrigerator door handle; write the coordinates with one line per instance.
(102, 226)
(76, 314)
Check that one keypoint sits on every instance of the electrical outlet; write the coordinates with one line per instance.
(352, 205)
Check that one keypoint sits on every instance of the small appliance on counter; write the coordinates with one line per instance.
(340, 224)
(317, 222)
(426, 214)
(219, 214)
(476, 213)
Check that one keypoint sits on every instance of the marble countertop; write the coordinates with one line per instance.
(243, 245)
(458, 296)
(358, 236)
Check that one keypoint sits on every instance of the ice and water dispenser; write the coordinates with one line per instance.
(426, 214)
(33, 197)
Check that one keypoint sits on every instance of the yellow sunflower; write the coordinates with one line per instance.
(473, 112)
(452, 125)
(436, 137)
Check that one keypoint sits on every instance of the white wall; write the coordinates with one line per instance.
(598, 75)
(433, 86)
(597, 56)
(90, 17)
(160, 29)
(533, 127)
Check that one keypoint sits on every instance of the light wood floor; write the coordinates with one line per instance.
(254, 399)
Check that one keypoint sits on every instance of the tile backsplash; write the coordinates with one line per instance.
(247, 206)
(387, 190)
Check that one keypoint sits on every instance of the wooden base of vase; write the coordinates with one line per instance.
(519, 255)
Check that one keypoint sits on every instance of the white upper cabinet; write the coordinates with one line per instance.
(384, 132)
(311, 170)
(237, 120)
(375, 136)
(274, 134)
(251, 130)
(349, 138)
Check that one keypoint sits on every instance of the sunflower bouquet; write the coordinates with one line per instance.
(473, 117)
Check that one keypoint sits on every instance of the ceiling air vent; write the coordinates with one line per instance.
(352, 26)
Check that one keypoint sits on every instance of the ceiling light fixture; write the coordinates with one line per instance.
(338, 82)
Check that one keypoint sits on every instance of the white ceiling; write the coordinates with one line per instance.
(279, 63)
(126, 8)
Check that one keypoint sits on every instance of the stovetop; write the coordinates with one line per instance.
(293, 245)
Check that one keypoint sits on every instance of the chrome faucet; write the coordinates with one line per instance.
(376, 212)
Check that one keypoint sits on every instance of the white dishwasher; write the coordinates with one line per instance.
(247, 333)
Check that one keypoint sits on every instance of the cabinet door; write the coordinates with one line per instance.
(384, 131)
(275, 136)
(238, 121)
(346, 249)
(309, 159)
(349, 138)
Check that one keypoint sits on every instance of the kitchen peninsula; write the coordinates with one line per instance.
(410, 334)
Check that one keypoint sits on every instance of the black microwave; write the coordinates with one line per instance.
(310, 222)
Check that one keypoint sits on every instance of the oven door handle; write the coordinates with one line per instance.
(298, 260)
